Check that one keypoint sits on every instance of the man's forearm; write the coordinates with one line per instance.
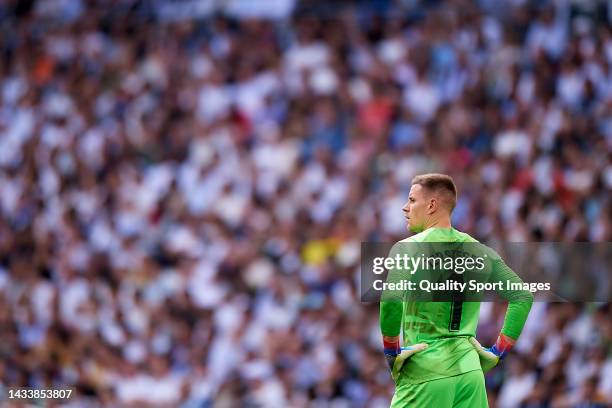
(519, 305)
(515, 319)
(519, 302)
(391, 318)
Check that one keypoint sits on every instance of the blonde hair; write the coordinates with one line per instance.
(439, 183)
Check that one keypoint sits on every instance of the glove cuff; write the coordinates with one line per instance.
(503, 345)
(391, 345)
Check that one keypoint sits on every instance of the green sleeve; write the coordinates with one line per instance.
(391, 318)
(391, 301)
(519, 301)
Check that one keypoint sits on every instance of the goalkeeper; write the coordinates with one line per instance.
(441, 364)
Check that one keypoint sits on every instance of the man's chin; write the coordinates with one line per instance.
(414, 228)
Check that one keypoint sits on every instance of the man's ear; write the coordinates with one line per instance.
(433, 204)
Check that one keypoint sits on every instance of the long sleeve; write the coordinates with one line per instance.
(391, 302)
(391, 318)
(519, 301)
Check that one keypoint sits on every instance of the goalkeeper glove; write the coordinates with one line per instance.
(490, 357)
(396, 356)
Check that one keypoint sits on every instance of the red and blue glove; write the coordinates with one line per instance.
(491, 356)
(396, 356)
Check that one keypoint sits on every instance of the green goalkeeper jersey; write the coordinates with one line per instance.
(447, 326)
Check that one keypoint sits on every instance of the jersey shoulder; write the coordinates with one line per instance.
(420, 237)
(400, 247)
(463, 237)
(440, 235)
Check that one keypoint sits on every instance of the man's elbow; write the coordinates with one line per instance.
(526, 297)
(523, 296)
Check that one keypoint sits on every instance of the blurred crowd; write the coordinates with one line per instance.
(182, 202)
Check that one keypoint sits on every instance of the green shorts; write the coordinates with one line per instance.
(461, 391)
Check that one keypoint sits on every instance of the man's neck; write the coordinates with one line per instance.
(441, 223)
